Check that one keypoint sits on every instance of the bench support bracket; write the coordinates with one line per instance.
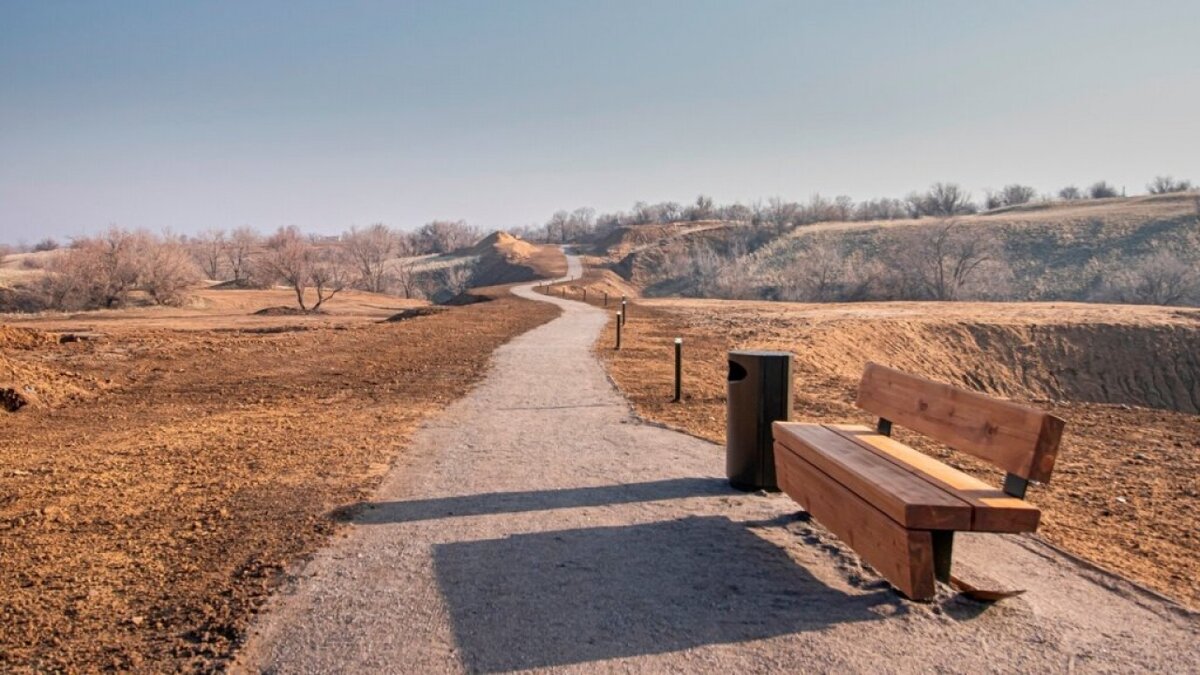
(883, 427)
(943, 549)
(1015, 486)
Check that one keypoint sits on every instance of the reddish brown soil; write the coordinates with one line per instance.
(144, 520)
(1126, 490)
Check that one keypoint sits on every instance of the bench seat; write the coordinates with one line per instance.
(898, 508)
(894, 505)
(991, 509)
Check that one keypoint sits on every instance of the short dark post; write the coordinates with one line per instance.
(585, 294)
(619, 322)
(678, 369)
(606, 298)
(624, 311)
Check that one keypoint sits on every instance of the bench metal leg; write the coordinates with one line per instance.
(943, 548)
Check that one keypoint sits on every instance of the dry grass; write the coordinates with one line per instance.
(142, 527)
(1125, 490)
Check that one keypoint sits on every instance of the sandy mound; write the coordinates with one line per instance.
(505, 259)
(511, 247)
(25, 338)
(29, 375)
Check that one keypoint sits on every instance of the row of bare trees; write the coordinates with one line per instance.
(944, 261)
(103, 271)
(940, 200)
(109, 269)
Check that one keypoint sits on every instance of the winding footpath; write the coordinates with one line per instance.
(538, 524)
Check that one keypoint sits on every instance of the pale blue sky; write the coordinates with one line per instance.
(187, 115)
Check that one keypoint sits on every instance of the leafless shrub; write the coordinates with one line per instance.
(1162, 185)
(454, 280)
(407, 279)
(1011, 195)
(47, 244)
(941, 200)
(370, 250)
(165, 269)
(1157, 278)
(103, 271)
(702, 210)
(444, 236)
(946, 262)
(825, 271)
(1102, 190)
(1070, 193)
(239, 251)
(880, 209)
(209, 249)
(296, 261)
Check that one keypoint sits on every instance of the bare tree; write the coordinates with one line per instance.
(701, 210)
(103, 271)
(1102, 190)
(239, 249)
(1162, 185)
(946, 199)
(1159, 278)
(558, 223)
(942, 260)
(370, 250)
(816, 275)
(408, 280)
(1070, 193)
(582, 222)
(166, 269)
(456, 279)
(445, 236)
(289, 257)
(47, 244)
(209, 247)
(330, 274)
(1012, 195)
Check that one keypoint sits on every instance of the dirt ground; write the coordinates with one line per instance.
(146, 514)
(1125, 491)
(215, 308)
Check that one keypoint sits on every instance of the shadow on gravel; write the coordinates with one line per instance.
(373, 513)
(576, 596)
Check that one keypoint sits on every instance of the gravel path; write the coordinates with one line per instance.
(537, 524)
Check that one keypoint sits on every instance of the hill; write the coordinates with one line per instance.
(1137, 249)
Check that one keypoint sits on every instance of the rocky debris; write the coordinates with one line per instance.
(12, 400)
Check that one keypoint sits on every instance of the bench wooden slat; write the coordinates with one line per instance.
(904, 557)
(905, 497)
(992, 510)
(1016, 438)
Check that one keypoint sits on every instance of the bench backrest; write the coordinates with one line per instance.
(1017, 438)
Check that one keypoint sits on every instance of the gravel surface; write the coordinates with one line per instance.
(537, 524)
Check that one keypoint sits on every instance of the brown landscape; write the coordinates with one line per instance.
(1124, 378)
(399, 337)
(171, 464)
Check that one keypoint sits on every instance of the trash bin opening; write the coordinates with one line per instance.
(736, 371)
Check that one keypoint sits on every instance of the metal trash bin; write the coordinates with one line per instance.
(759, 393)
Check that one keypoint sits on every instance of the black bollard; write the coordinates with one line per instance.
(678, 369)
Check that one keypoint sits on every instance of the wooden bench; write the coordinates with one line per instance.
(898, 508)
